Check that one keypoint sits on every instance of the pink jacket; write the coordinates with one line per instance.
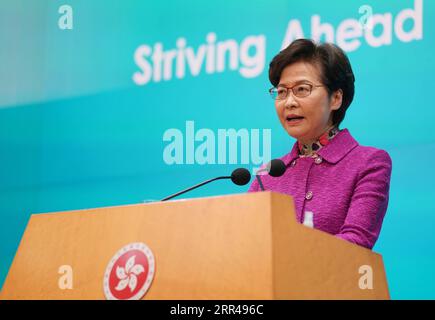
(346, 188)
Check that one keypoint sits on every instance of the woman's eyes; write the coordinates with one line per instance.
(302, 88)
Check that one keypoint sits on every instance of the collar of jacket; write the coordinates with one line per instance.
(333, 152)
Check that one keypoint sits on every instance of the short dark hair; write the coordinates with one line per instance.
(336, 71)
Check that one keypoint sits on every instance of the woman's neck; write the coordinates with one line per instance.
(312, 146)
(312, 140)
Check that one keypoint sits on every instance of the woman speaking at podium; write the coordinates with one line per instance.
(338, 186)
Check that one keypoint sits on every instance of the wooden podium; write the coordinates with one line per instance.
(246, 246)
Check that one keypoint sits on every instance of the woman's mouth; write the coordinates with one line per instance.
(294, 120)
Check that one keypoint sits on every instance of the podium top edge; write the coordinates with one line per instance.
(267, 194)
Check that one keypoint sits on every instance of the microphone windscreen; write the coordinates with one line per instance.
(240, 176)
(277, 168)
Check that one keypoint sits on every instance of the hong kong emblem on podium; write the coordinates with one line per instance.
(129, 273)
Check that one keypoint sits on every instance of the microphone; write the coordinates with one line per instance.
(240, 177)
(275, 167)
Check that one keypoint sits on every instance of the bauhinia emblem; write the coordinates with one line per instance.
(129, 273)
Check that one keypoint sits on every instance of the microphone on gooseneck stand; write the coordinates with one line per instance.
(275, 168)
(240, 176)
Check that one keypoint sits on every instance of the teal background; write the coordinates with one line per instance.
(76, 132)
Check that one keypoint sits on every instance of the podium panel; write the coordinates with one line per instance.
(246, 246)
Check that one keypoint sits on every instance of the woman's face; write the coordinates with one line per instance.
(316, 109)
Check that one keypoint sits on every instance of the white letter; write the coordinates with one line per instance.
(366, 20)
(252, 66)
(255, 146)
(222, 146)
(207, 146)
(317, 30)
(190, 142)
(195, 63)
(209, 66)
(346, 32)
(180, 68)
(65, 21)
(173, 153)
(222, 47)
(157, 62)
(293, 32)
(139, 57)
(168, 57)
(417, 15)
(366, 280)
(386, 35)
(66, 280)
(233, 146)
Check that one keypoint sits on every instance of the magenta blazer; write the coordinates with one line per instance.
(346, 187)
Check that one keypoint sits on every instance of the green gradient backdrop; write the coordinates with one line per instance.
(76, 132)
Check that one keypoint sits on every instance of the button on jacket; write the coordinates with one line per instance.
(346, 187)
